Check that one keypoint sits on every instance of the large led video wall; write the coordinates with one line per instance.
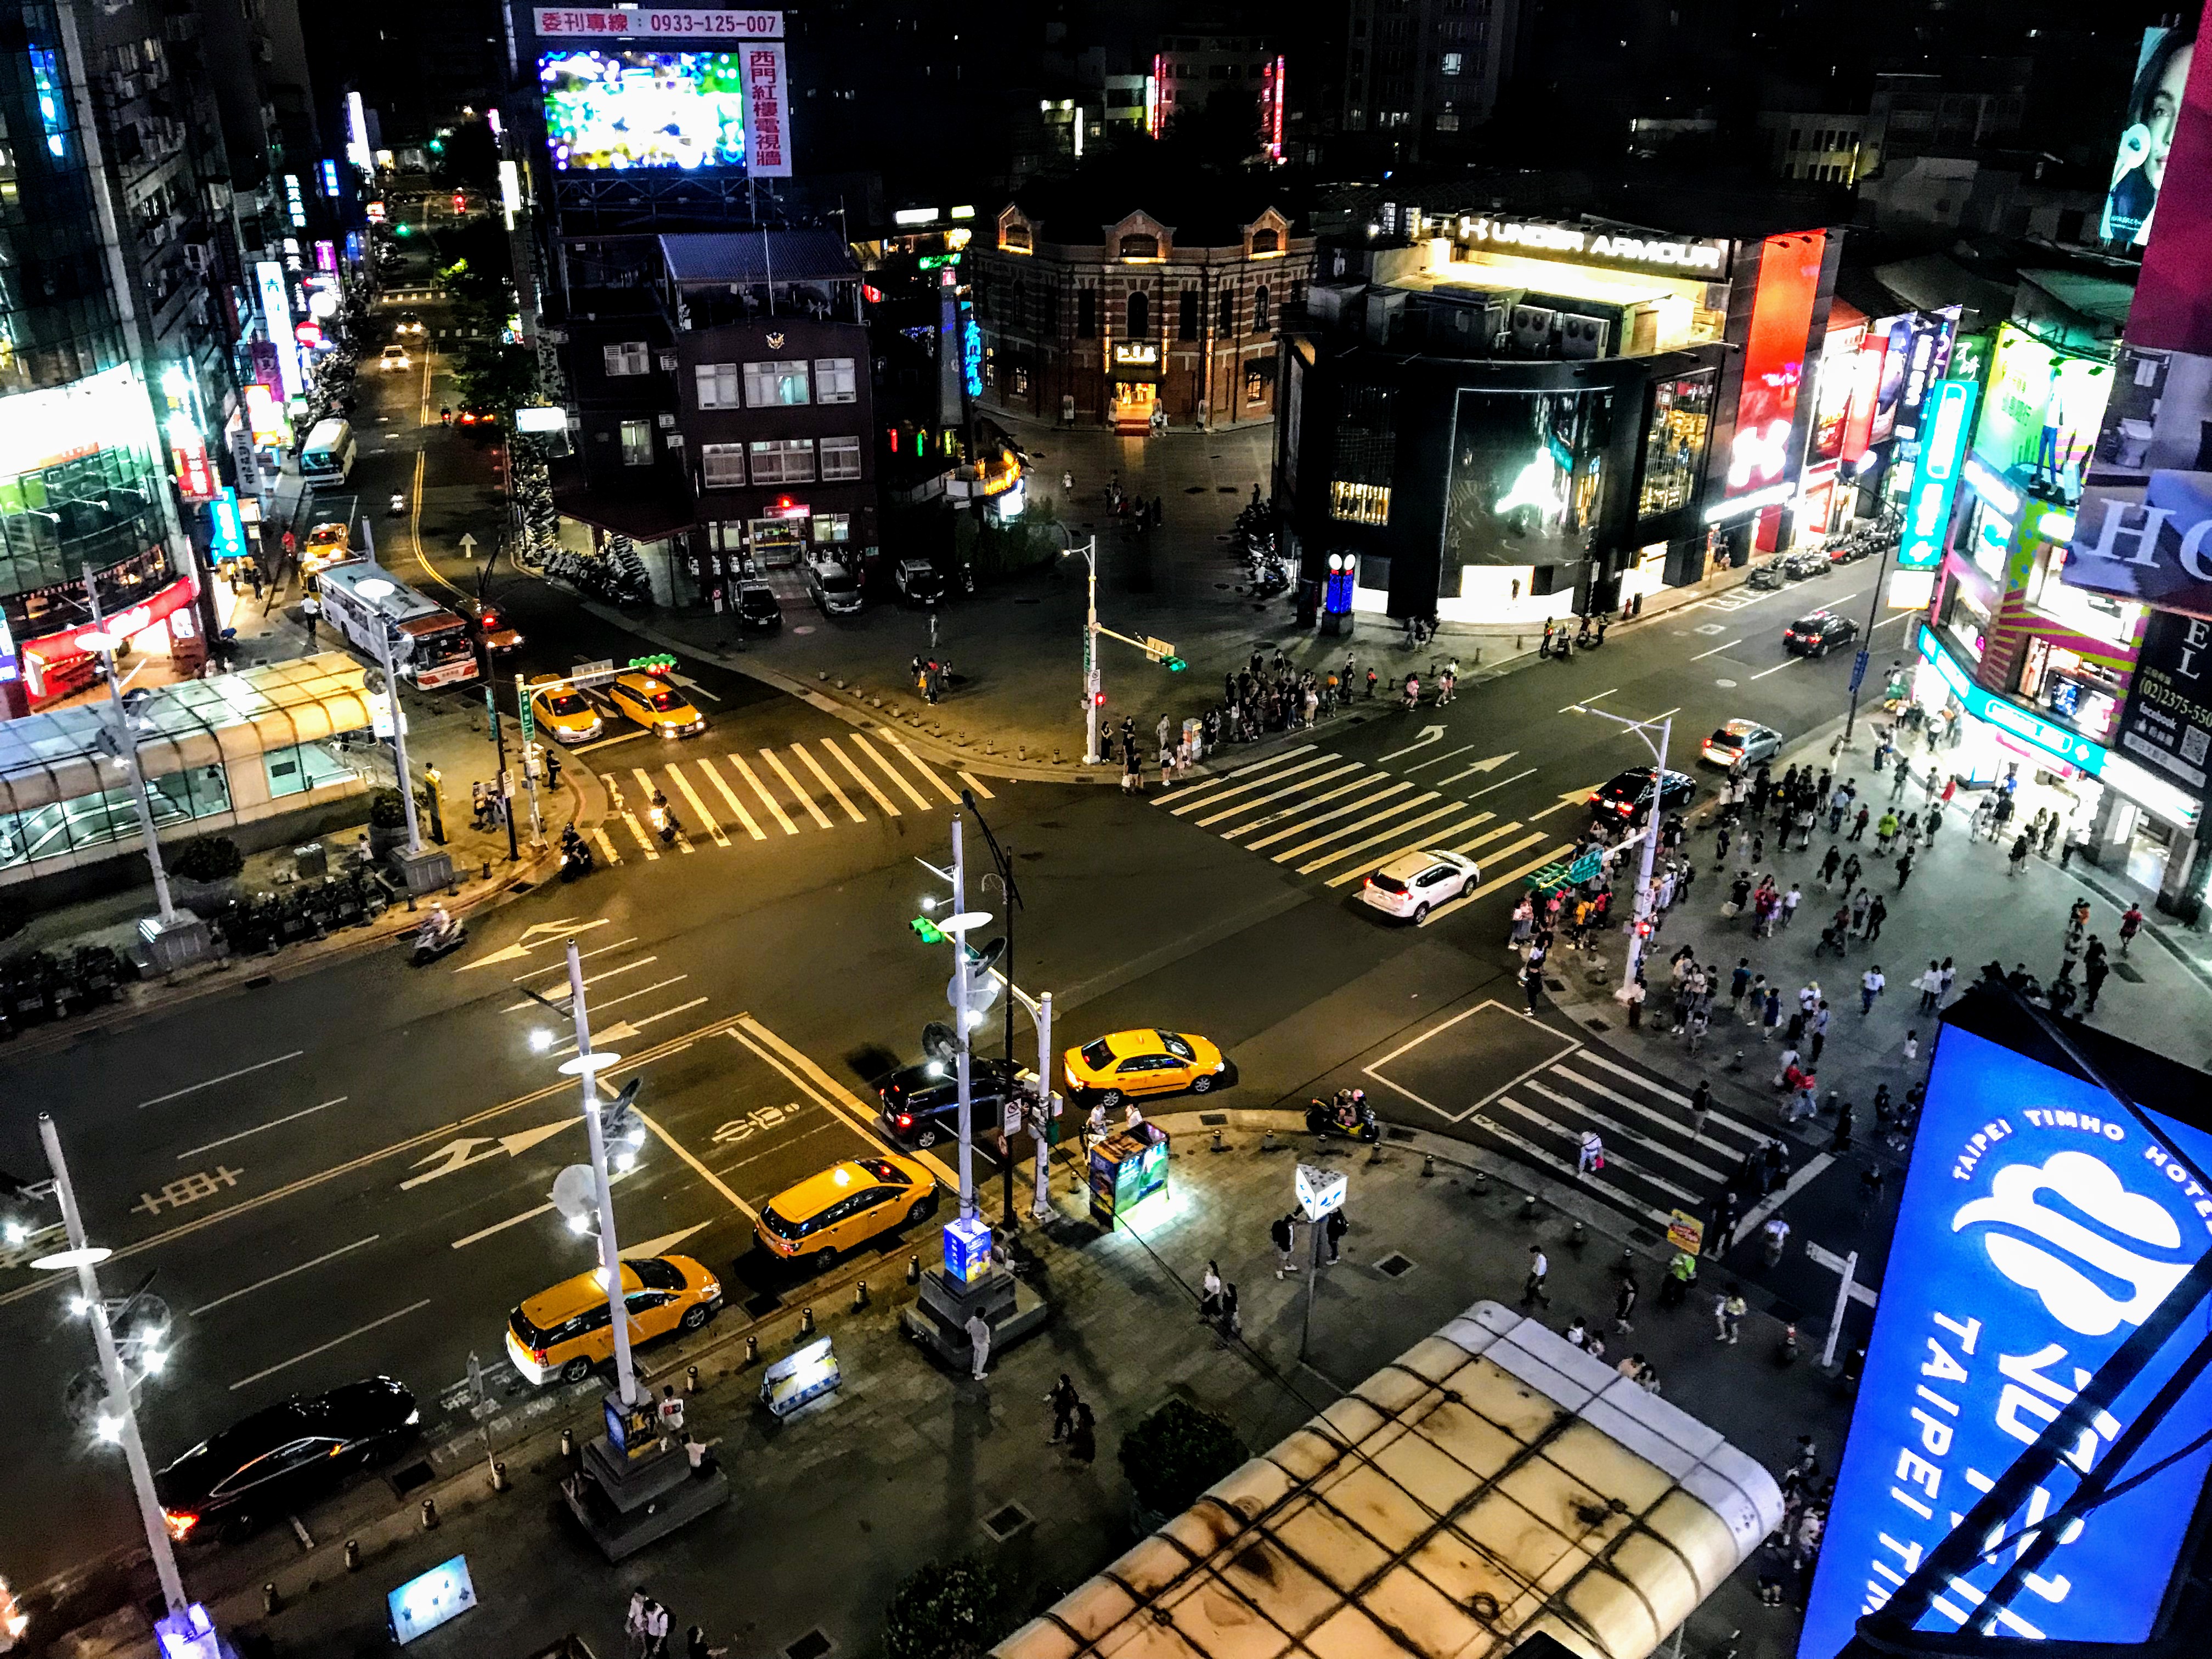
(617, 110)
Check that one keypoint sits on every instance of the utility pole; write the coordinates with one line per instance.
(1041, 1206)
(529, 772)
(1866, 647)
(961, 1026)
(1090, 677)
(126, 750)
(126, 1417)
(1633, 958)
(1013, 895)
(499, 747)
(587, 1066)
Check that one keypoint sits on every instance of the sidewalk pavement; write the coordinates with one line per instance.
(1960, 902)
(1016, 649)
(906, 1465)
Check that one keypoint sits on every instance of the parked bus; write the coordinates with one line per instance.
(431, 646)
(326, 457)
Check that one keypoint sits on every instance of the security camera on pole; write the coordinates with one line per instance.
(969, 1279)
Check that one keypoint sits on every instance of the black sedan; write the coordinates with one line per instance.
(1818, 635)
(921, 1102)
(1627, 797)
(759, 611)
(266, 1466)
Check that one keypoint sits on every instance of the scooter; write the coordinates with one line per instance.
(1322, 1119)
(576, 861)
(436, 938)
(663, 823)
(398, 508)
(1785, 1352)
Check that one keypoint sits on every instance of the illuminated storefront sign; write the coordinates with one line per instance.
(188, 458)
(226, 530)
(2044, 1225)
(1701, 256)
(768, 110)
(276, 310)
(295, 201)
(1982, 704)
(1272, 96)
(271, 428)
(1774, 362)
(971, 352)
(424, 1602)
(357, 151)
(1935, 483)
(330, 171)
(1866, 388)
(2043, 410)
(45, 428)
(43, 653)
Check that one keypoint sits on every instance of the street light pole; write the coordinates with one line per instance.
(961, 1027)
(125, 1417)
(587, 1066)
(374, 589)
(1634, 958)
(1866, 645)
(1090, 685)
(126, 747)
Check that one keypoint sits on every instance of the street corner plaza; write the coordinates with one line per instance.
(2044, 1224)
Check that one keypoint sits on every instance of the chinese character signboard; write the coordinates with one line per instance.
(768, 112)
(1935, 483)
(2040, 1225)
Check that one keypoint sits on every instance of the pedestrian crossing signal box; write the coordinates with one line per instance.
(1127, 1169)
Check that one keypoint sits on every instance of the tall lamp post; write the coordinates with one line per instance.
(119, 1424)
(585, 1068)
(1091, 676)
(1634, 959)
(1011, 890)
(1866, 647)
(375, 589)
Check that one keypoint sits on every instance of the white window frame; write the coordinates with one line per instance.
(714, 472)
(636, 440)
(840, 445)
(627, 358)
(781, 461)
(766, 383)
(718, 385)
(834, 382)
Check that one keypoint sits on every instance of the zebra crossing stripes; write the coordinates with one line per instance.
(1304, 823)
(831, 784)
(898, 778)
(676, 777)
(729, 799)
(1396, 832)
(792, 784)
(891, 810)
(1357, 825)
(1217, 797)
(1291, 789)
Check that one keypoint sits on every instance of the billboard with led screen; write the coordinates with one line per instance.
(624, 109)
(2042, 1223)
(1935, 480)
(1761, 454)
(2154, 110)
(2043, 410)
(1526, 484)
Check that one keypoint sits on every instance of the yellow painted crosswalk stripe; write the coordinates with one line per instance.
(1532, 865)
(606, 845)
(1393, 833)
(645, 784)
(767, 799)
(1360, 868)
(730, 797)
(805, 799)
(713, 826)
(1356, 825)
(1488, 835)
(977, 785)
(1214, 797)
(890, 807)
(1361, 804)
(829, 783)
(914, 761)
(920, 800)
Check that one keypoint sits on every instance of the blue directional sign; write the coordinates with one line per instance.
(2040, 1225)
(1858, 669)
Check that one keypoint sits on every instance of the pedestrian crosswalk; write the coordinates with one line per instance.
(1654, 1162)
(730, 799)
(1329, 817)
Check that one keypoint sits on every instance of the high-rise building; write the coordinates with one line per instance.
(1420, 74)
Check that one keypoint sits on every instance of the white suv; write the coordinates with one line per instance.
(1413, 884)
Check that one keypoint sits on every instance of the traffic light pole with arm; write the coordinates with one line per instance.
(961, 1026)
(1633, 959)
(1013, 896)
(587, 1066)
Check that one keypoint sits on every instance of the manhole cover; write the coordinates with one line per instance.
(1213, 1119)
(1725, 685)
(1194, 490)
(763, 1305)
(1003, 1524)
(1227, 490)
(1598, 1026)
(415, 1474)
(1394, 1265)
(812, 1645)
(1028, 601)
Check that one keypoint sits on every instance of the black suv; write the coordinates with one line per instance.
(921, 1102)
(1623, 799)
(1818, 635)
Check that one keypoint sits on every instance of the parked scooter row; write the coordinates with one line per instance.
(42, 985)
(269, 921)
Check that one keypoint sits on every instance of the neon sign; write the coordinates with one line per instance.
(1935, 483)
(2067, 745)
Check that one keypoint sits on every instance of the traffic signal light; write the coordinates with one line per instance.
(1098, 699)
(926, 931)
(1174, 665)
(403, 229)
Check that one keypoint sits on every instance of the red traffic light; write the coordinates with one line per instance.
(1098, 699)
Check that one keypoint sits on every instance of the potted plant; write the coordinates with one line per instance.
(388, 822)
(954, 1612)
(1173, 1456)
(204, 871)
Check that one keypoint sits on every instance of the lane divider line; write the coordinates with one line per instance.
(697, 1168)
(336, 1341)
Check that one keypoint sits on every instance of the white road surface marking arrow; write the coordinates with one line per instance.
(691, 684)
(1567, 799)
(516, 952)
(623, 1029)
(1429, 734)
(1490, 765)
(460, 1154)
(663, 1244)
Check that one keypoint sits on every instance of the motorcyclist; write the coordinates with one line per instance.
(573, 849)
(664, 818)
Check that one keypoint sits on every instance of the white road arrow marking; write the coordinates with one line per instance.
(663, 1244)
(623, 1029)
(1567, 799)
(1490, 765)
(460, 1154)
(691, 684)
(564, 930)
(1429, 734)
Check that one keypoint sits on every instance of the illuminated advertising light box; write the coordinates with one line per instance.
(1774, 360)
(1896, 359)
(1831, 392)
(2042, 410)
(43, 428)
(1935, 480)
(1525, 485)
(1866, 390)
(276, 312)
(2061, 742)
(2042, 1224)
(657, 23)
(2167, 722)
(2162, 65)
(617, 110)
(428, 1601)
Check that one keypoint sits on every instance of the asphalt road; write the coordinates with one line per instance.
(348, 1172)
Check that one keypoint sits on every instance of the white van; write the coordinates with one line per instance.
(326, 457)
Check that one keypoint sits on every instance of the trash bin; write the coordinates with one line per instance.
(311, 860)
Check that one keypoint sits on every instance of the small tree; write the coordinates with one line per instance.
(386, 810)
(954, 1612)
(1176, 1453)
(207, 858)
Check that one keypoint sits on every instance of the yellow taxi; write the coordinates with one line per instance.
(1145, 1062)
(560, 1335)
(846, 1206)
(649, 698)
(326, 544)
(557, 707)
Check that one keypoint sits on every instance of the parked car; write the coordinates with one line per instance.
(758, 610)
(921, 1102)
(1742, 740)
(1627, 797)
(1146, 1062)
(834, 587)
(267, 1465)
(918, 581)
(1798, 566)
(1413, 884)
(326, 544)
(1818, 635)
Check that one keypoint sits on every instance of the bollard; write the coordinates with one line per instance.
(353, 1555)
(1529, 1208)
(269, 1598)
(567, 1445)
(1482, 1183)
(1218, 1146)
(860, 1295)
(498, 1475)
(487, 869)
(1580, 1236)
(429, 1515)
(806, 1319)
(1267, 1141)
(1428, 1164)
(690, 1379)
(752, 1350)
(914, 1270)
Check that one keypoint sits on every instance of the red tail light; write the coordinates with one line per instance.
(906, 1120)
(537, 1356)
(179, 1523)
